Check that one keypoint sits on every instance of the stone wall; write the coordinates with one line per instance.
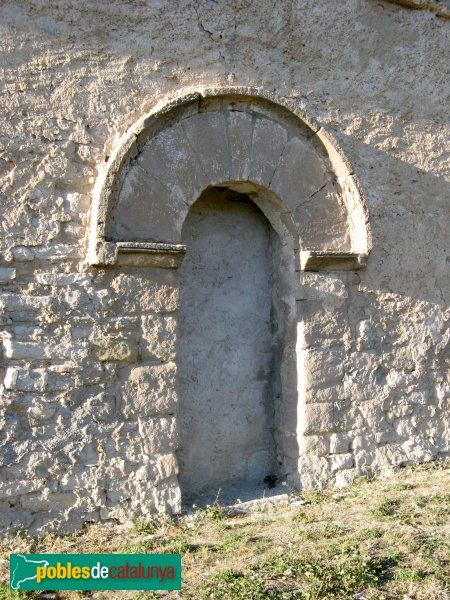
(88, 360)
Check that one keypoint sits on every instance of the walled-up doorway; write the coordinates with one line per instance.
(226, 351)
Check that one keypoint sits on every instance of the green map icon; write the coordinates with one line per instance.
(24, 570)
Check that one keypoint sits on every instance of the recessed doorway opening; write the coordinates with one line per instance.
(232, 342)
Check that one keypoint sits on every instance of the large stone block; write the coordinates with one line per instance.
(314, 472)
(111, 347)
(167, 497)
(316, 445)
(301, 173)
(170, 159)
(341, 461)
(319, 418)
(148, 210)
(148, 390)
(240, 128)
(145, 290)
(167, 466)
(269, 141)
(160, 434)
(7, 274)
(208, 139)
(25, 380)
(323, 367)
(339, 443)
(158, 341)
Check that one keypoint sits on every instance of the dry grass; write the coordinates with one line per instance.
(377, 540)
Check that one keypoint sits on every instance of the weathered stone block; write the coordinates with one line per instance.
(300, 174)
(148, 210)
(339, 443)
(159, 434)
(16, 302)
(25, 380)
(323, 368)
(240, 128)
(169, 158)
(318, 418)
(7, 275)
(167, 497)
(22, 254)
(208, 138)
(269, 140)
(58, 252)
(44, 501)
(341, 461)
(148, 390)
(110, 347)
(328, 287)
(35, 351)
(145, 290)
(10, 489)
(346, 477)
(158, 341)
(167, 466)
(314, 472)
(316, 445)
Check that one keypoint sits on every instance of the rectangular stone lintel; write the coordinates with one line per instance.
(318, 260)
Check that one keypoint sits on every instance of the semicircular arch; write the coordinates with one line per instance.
(236, 138)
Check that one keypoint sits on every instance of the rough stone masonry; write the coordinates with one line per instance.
(224, 249)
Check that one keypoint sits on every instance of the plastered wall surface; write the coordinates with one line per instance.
(226, 414)
(88, 365)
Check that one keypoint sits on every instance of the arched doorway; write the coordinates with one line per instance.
(227, 363)
(300, 179)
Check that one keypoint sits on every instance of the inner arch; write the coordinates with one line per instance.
(226, 349)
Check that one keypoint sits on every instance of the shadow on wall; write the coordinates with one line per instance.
(409, 217)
